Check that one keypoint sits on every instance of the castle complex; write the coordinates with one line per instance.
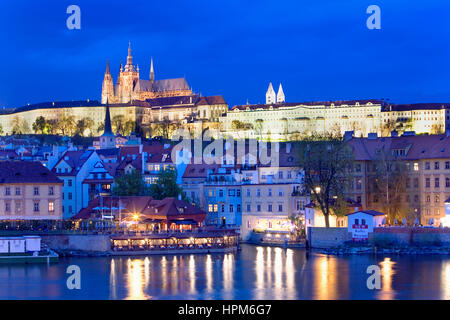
(130, 87)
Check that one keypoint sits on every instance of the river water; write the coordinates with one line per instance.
(252, 273)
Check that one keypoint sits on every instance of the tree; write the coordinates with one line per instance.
(39, 125)
(388, 184)
(19, 126)
(101, 127)
(325, 161)
(130, 184)
(83, 125)
(259, 127)
(166, 185)
(66, 125)
(164, 128)
(130, 126)
(118, 124)
(239, 126)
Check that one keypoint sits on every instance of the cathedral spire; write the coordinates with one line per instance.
(107, 68)
(152, 73)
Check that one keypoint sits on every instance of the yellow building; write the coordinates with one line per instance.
(29, 191)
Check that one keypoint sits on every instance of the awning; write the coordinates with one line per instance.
(187, 221)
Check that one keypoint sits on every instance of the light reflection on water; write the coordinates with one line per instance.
(253, 273)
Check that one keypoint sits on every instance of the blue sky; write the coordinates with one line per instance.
(319, 50)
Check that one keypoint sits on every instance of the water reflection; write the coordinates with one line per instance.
(445, 280)
(387, 273)
(136, 279)
(325, 278)
(253, 273)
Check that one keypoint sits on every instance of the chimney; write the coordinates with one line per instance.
(394, 133)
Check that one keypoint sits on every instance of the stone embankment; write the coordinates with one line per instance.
(350, 250)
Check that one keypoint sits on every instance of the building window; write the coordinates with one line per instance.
(18, 206)
(416, 198)
(436, 182)
(280, 208)
(416, 166)
(222, 208)
(69, 182)
(36, 191)
(231, 192)
(216, 208)
(258, 193)
(50, 191)
(70, 209)
(7, 191)
(269, 192)
(238, 192)
(51, 206)
(17, 191)
(289, 175)
(436, 165)
(269, 208)
(436, 198)
(210, 208)
(427, 198)
(447, 182)
(231, 208)
(36, 206)
(238, 208)
(70, 195)
(447, 164)
(221, 193)
(249, 208)
(416, 182)
(7, 206)
(427, 182)
(358, 167)
(280, 174)
(258, 207)
(358, 184)
(427, 166)
(408, 183)
(248, 193)
(280, 192)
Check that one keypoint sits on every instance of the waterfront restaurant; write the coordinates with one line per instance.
(143, 213)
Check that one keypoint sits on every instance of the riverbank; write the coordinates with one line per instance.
(400, 250)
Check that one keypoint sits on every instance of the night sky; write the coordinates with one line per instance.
(318, 49)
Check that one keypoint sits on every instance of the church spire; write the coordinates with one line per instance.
(270, 95)
(152, 73)
(108, 129)
(280, 95)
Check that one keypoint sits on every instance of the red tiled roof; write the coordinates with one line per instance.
(26, 172)
(416, 147)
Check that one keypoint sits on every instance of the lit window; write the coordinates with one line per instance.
(51, 206)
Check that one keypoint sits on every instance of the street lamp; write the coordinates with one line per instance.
(317, 189)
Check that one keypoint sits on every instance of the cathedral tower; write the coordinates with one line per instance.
(108, 86)
(270, 95)
(280, 95)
